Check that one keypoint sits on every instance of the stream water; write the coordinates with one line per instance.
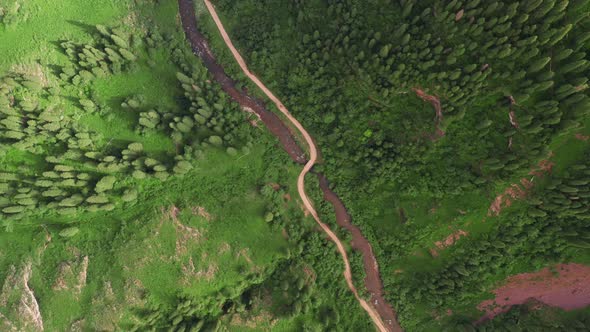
(277, 127)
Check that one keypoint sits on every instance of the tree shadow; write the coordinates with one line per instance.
(88, 28)
(56, 70)
(73, 100)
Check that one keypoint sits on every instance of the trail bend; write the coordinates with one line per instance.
(313, 153)
(382, 315)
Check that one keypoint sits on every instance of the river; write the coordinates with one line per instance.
(378, 308)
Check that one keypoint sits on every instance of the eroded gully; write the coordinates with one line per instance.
(382, 314)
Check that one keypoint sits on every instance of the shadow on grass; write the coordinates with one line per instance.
(88, 28)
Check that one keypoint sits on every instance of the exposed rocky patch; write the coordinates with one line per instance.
(18, 297)
(72, 275)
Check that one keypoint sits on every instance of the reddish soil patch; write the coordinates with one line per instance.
(170, 214)
(568, 290)
(432, 100)
(544, 166)
(518, 191)
(447, 242)
(450, 240)
(504, 200)
(433, 252)
(435, 102)
(582, 138)
(438, 315)
(275, 186)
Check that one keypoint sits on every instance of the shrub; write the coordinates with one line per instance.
(69, 232)
(105, 184)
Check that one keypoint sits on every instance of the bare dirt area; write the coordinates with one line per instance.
(512, 193)
(566, 286)
(201, 212)
(72, 275)
(512, 114)
(518, 191)
(435, 102)
(184, 234)
(447, 242)
(512, 119)
(26, 311)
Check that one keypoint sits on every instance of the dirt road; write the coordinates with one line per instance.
(201, 48)
(360, 244)
(381, 312)
(301, 180)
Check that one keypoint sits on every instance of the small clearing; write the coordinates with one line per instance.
(567, 289)
(447, 242)
(518, 191)
(435, 102)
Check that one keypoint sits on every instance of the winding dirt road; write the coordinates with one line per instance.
(379, 310)
(313, 153)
